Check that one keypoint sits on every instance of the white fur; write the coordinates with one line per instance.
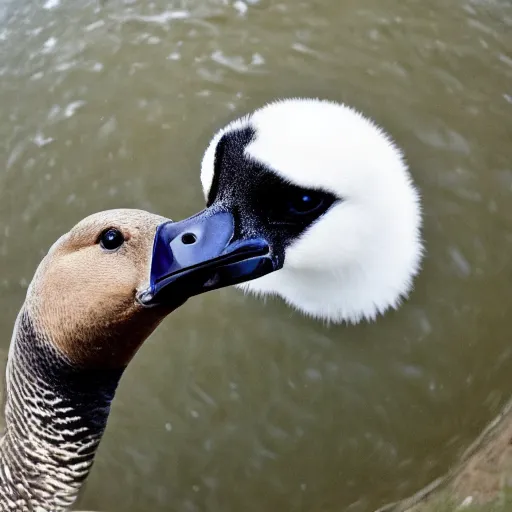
(360, 258)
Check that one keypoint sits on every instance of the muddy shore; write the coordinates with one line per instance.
(481, 481)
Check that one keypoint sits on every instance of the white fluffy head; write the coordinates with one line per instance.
(358, 259)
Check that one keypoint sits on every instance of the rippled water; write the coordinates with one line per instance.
(235, 404)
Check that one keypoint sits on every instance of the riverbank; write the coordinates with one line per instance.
(481, 482)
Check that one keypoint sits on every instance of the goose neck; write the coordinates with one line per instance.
(55, 416)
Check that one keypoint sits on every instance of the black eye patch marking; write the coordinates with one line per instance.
(229, 158)
(261, 201)
(284, 204)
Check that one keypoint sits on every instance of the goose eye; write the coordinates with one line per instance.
(304, 203)
(111, 239)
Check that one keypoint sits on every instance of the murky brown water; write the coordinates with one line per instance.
(233, 404)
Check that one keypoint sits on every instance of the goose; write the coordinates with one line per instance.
(329, 194)
(99, 292)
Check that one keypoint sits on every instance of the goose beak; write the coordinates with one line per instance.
(200, 254)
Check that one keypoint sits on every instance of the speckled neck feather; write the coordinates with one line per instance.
(55, 417)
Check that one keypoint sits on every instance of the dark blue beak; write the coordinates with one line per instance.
(199, 254)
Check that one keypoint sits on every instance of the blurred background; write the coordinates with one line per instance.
(235, 404)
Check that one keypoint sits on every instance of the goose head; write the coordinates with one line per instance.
(83, 294)
(106, 285)
(330, 194)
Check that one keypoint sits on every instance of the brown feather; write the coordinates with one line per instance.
(84, 298)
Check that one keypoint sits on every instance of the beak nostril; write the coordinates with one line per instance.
(188, 238)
